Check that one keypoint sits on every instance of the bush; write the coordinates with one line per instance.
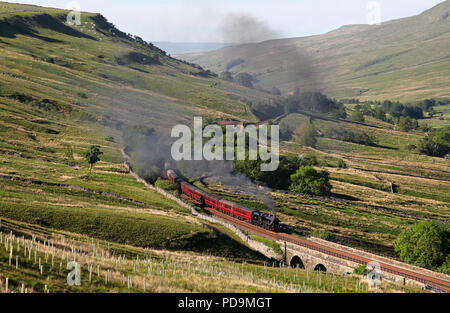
(109, 138)
(407, 124)
(313, 101)
(424, 244)
(309, 181)
(358, 117)
(349, 135)
(275, 91)
(306, 135)
(167, 185)
(281, 177)
(342, 164)
(322, 234)
(437, 143)
(361, 270)
(265, 110)
(245, 79)
(226, 75)
(445, 268)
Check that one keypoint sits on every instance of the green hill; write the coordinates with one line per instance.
(64, 88)
(406, 59)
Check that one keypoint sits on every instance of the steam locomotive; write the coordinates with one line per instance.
(264, 220)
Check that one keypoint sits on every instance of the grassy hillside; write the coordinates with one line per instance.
(116, 78)
(405, 59)
(43, 254)
(64, 88)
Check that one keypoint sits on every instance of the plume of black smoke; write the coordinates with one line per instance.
(244, 28)
(151, 153)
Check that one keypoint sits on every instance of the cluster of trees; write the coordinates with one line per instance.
(425, 244)
(305, 101)
(306, 135)
(436, 143)
(313, 101)
(405, 115)
(309, 181)
(394, 109)
(243, 79)
(426, 104)
(351, 135)
(247, 80)
(265, 110)
(294, 173)
(407, 123)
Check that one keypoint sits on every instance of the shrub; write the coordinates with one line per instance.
(245, 79)
(109, 138)
(349, 135)
(309, 181)
(437, 143)
(407, 124)
(322, 234)
(358, 116)
(360, 270)
(342, 164)
(166, 185)
(424, 244)
(226, 75)
(306, 135)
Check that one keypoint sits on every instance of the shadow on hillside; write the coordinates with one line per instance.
(344, 197)
(384, 147)
(18, 25)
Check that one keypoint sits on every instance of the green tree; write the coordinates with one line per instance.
(92, 156)
(445, 268)
(275, 91)
(306, 135)
(342, 164)
(424, 244)
(358, 116)
(245, 79)
(309, 181)
(442, 136)
(226, 75)
(407, 123)
(380, 114)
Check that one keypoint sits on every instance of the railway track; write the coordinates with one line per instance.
(436, 284)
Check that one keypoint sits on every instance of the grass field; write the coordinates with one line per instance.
(34, 259)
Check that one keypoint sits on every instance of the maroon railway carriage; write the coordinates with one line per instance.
(255, 217)
(192, 191)
(238, 211)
